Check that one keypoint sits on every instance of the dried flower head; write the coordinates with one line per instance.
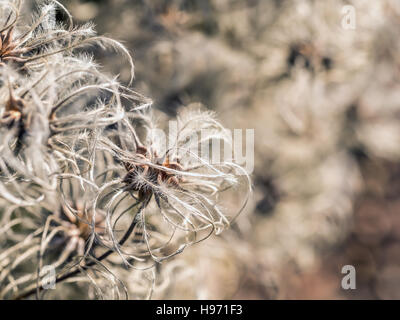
(176, 192)
(46, 39)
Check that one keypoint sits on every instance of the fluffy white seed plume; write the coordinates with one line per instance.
(171, 197)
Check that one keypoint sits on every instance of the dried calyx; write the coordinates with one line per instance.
(14, 110)
(9, 50)
(142, 176)
(82, 221)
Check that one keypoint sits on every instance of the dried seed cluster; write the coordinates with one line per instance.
(81, 191)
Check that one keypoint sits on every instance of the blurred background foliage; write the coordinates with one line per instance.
(325, 105)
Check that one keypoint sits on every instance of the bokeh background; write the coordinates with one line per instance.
(324, 101)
